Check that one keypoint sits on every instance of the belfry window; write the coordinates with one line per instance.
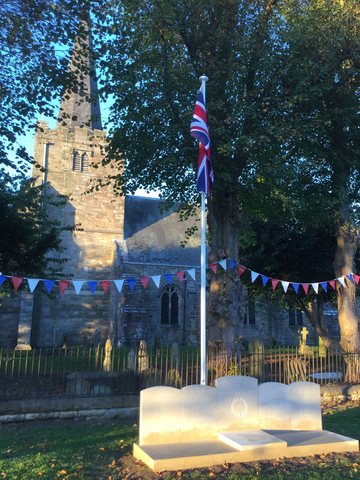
(85, 162)
(76, 162)
(80, 162)
(169, 306)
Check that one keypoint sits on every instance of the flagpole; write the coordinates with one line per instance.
(203, 80)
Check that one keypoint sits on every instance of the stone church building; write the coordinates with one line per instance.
(115, 238)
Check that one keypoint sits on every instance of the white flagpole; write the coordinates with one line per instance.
(203, 80)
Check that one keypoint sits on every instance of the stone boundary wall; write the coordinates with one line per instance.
(126, 406)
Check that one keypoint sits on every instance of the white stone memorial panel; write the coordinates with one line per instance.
(250, 440)
(198, 413)
(159, 416)
(238, 403)
(305, 406)
(274, 406)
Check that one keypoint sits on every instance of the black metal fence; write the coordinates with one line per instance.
(49, 372)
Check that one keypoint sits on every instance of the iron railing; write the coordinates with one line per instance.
(49, 372)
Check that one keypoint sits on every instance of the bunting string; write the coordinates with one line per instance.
(223, 264)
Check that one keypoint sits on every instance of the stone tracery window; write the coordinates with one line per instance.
(80, 162)
(169, 306)
(76, 162)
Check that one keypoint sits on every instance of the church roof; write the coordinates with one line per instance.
(81, 107)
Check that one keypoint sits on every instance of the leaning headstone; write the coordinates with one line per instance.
(238, 403)
(97, 348)
(274, 406)
(96, 339)
(143, 357)
(159, 416)
(305, 406)
(107, 367)
(175, 357)
(131, 360)
(157, 345)
(257, 362)
(198, 413)
(65, 340)
(322, 349)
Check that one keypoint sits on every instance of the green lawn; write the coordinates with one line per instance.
(100, 450)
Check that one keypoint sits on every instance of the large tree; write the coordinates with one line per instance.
(249, 52)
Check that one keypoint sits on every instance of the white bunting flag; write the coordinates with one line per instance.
(254, 276)
(119, 284)
(315, 287)
(156, 279)
(77, 285)
(191, 272)
(285, 285)
(32, 283)
(223, 264)
(342, 281)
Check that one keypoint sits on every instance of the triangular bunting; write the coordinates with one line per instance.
(254, 276)
(199, 268)
(241, 269)
(342, 281)
(92, 285)
(274, 283)
(332, 283)
(213, 267)
(131, 282)
(222, 263)
(264, 279)
(180, 276)
(49, 284)
(105, 285)
(2, 279)
(144, 281)
(231, 264)
(350, 277)
(315, 287)
(306, 287)
(119, 284)
(168, 277)
(16, 281)
(285, 285)
(191, 272)
(357, 278)
(63, 285)
(156, 279)
(77, 285)
(32, 284)
(324, 286)
(296, 287)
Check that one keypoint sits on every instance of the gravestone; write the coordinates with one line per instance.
(322, 349)
(97, 348)
(305, 406)
(157, 345)
(238, 403)
(107, 366)
(143, 357)
(159, 416)
(274, 406)
(65, 340)
(257, 362)
(198, 413)
(297, 336)
(173, 379)
(132, 360)
(175, 357)
(304, 349)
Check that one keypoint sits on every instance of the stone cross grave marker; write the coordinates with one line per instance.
(175, 357)
(131, 360)
(107, 367)
(143, 357)
(304, 332)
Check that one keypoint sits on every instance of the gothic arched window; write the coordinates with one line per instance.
(169, 306)
(76, 162)
(84, 162)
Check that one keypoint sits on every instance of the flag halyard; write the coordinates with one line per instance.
(199, 129)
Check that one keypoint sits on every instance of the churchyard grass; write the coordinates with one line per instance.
(99, 449)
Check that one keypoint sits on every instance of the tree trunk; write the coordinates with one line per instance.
(347, 243)
(225, 309)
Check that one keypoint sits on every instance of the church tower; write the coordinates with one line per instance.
(67, 154)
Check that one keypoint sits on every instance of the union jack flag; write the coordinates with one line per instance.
(199, 129)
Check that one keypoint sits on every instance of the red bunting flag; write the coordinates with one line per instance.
(63, 285)
(144, 281)
(241, 269)
(180, 276)
(306, 287)
(274, 283)
(213, 267)
(332, 283)
(105, 284)
(16, 281)
(357, 278)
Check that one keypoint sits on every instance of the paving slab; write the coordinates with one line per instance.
(251, 440)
